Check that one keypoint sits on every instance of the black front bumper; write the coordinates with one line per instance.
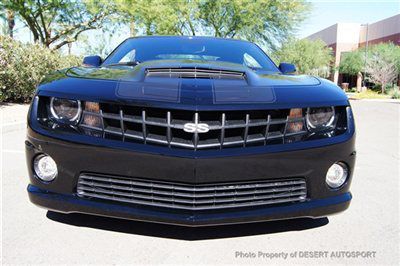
(74, 158)
(72, 204)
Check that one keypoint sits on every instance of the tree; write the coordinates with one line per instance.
(383, 64)
(55, 23)
(10, 16)
(7, 20)
(388, 51)
(102, 47)
(161, 17)
(267, 22)
(310, 57)
(3, 21)
(381, 71)
(352, 63)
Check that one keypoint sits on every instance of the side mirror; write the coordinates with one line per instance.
(287, 68)
(93, 60)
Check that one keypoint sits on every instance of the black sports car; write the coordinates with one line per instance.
(191, 131)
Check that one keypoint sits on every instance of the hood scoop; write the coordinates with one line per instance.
(194, 73)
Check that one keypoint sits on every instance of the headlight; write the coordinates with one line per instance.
(320, 118)
(65, 110)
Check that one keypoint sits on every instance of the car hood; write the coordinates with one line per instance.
(134, 86)
(138, 73)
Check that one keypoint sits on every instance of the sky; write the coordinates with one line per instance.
(323, 14)
(327, 13)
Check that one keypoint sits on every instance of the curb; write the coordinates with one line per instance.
(377, 100)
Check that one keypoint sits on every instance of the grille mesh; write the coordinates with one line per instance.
(166, 127)
(191, 197)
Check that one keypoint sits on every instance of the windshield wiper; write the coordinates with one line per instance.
(128, 63)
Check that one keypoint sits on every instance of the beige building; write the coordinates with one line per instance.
(345, 37)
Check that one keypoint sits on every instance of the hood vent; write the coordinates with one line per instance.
(202, 73)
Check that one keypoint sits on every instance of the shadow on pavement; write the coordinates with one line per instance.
(186, 233)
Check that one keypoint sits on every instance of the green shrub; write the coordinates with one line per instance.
(394, 92)
(370, 94)
(23, 66)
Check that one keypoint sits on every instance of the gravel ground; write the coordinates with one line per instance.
(31, 235)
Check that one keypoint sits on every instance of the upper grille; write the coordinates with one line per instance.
(191, 197)
(194, 73)
(166, 127)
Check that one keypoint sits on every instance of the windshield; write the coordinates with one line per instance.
(191, 48)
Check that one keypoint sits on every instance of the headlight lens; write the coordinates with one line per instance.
(320, 118)
(65, 110)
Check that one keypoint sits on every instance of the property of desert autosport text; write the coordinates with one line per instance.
(316, 254)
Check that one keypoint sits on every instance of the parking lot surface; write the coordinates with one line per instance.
(31, 235)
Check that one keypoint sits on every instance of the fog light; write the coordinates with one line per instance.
(337, 175)
(45, 168)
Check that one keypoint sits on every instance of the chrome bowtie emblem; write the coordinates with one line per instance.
(196, 128)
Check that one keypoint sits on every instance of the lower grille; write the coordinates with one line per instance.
(191, 197)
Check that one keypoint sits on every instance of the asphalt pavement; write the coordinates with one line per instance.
(367, 233)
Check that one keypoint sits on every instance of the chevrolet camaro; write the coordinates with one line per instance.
(191, 131)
